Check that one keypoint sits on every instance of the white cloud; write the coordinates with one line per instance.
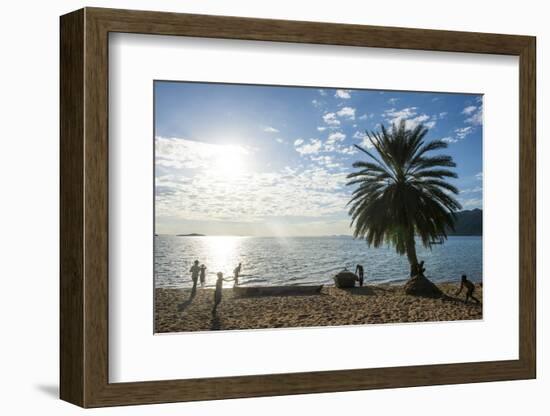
(410, 116)
(320, 128)
(313, 147)
(347, 112)
(443, 114)
(279, 140)
(430, 124)
(477, 118)
(317, 103)
(400, 114)
(359, 135)
(314, 192)
(392, 101)
(365, 141)
(327, 161)
(364, 116)
(449, 140)
(331, 119)
(479, 176)
(344, 94)
(336, 137)
(471, 203)
(322, 92)
(189, 186)
(350, 150)
(179, 153)
(427, 121)
(475, 114)
(269, 129)
(462, 132)
(472, 190)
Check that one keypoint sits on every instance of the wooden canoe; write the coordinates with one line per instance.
(277, 290)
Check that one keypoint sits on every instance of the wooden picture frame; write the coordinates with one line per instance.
(84, 207)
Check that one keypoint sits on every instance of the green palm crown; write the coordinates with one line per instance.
(401, 191)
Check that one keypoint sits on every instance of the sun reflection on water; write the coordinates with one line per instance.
(222, 255)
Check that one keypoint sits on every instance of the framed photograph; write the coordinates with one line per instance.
(255, 207)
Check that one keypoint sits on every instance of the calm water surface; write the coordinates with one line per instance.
(306, 260)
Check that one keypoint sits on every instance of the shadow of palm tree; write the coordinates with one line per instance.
(454, 299)
(182, 306)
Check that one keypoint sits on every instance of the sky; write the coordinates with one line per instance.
(233, 159)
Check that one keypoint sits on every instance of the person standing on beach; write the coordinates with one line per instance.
(360, 273)
(470, 287)
(203, 274)
(194, 270)
(236, 273)
(218, 293)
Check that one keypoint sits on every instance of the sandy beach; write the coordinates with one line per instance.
(175, 311)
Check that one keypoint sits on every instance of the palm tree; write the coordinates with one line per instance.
(402, 191)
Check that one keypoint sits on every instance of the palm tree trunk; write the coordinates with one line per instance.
(411, 253)
(418, 284)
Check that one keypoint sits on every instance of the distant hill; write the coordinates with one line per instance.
(468, 222)
(190, 235)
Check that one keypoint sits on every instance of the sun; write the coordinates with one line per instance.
(230, 162)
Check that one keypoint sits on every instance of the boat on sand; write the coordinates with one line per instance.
(345, 279)
(277, 290)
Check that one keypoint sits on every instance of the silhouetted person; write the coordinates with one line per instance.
(203, 274)
(470, 287)
(418, 269)
(194, 270)
(421, 269)
(236, 273)
(218, 292)
(360, 273)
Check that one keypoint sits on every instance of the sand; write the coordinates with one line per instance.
(175, 311)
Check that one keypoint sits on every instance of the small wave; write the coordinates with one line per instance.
(312, 260)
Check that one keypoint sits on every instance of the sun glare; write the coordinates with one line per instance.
(223, 254)
(223, 250)
(230, 162)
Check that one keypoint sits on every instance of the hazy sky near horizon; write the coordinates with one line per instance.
(272, 161)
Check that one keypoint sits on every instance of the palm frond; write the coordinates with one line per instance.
(402, 190)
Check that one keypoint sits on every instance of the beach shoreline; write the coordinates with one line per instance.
(177, 311)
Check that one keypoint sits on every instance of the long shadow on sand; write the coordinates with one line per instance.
(182, 306)
(360, 291)
(215, 323)
(369, 291)
(454, 299)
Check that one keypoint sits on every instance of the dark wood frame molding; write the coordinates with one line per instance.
(84, 207)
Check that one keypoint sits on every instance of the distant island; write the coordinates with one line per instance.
(468, 222)
(191, 235)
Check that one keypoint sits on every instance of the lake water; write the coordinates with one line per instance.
(307, 260)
